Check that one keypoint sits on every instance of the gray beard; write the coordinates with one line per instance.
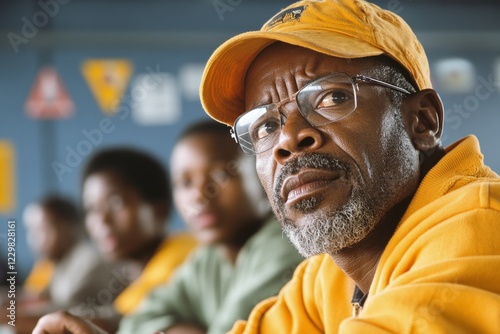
(326, 231)
(329, 231)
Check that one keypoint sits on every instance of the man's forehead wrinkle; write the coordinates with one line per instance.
(290, 84)
(280, 87)
(308, 71)
(311, 66)
(286, 85)
(295, 78)
(275, 86)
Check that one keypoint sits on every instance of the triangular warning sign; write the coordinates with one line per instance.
(107, 79)
(48, 97)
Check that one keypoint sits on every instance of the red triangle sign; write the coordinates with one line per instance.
(48, 97)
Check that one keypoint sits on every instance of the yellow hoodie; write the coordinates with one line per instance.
(440, 272)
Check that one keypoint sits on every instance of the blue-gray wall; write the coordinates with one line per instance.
(167, 35)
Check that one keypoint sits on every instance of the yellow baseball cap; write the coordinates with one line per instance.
(340, 28)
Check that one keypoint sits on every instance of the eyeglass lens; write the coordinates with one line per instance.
(320, 102)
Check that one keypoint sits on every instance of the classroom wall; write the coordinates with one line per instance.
(177, 37)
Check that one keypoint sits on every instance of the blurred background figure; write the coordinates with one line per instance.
(67, 269)
(244, 258)
(127, 201)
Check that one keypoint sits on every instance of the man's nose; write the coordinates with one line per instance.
(296, 136)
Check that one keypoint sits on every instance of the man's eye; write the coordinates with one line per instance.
(265, 129)
(333, 98)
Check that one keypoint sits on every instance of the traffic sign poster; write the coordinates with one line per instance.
(107, 79)
(48, 97)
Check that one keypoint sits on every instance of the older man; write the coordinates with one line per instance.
(335, 100)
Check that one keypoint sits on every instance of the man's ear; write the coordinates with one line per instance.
(426, 120)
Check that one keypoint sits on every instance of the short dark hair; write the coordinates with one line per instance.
(139, 169)
(61, 207)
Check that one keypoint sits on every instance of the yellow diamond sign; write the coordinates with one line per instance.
(107, 79)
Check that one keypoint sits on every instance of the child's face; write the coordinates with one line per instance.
(210, 193)
(117, 217)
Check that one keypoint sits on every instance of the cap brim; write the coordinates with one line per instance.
(222, 85)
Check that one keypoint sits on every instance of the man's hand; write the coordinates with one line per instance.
(65, 323)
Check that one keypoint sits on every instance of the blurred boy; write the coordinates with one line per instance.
(127, 200)
(245, 259)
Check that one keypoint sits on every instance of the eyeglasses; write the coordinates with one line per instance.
(322, 101)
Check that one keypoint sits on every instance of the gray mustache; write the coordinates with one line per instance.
(311, 161)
